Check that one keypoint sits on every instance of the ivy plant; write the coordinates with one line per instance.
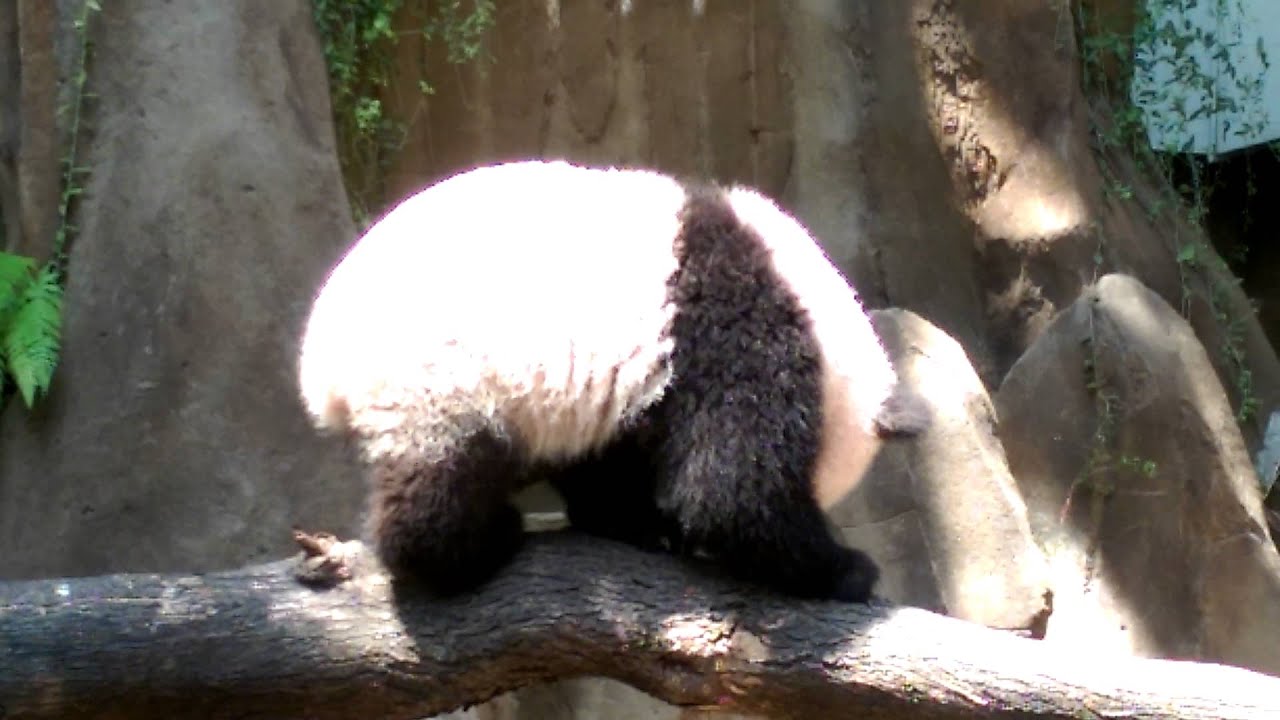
(360, 38)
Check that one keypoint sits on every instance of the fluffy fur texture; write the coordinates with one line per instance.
(683, 362)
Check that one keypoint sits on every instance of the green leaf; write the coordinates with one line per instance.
(15, 270)
(1187, 253)
(32, 339)
(16, 273)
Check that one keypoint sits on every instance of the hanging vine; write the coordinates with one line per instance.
(360, 38)
(31, 296)
(1203, 80)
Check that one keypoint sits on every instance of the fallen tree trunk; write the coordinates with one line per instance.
(257, 642)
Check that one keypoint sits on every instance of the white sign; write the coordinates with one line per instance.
(1203, 77)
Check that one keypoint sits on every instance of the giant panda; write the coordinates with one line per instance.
(681, 360)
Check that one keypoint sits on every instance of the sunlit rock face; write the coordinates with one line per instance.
(941, 512)
(1139, 486)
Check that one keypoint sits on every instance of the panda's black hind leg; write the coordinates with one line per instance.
(443, 517)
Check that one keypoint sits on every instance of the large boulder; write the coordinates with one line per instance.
(1139, 487)
(173, 439)
(941, 513)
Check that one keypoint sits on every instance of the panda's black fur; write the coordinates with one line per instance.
(704, 438)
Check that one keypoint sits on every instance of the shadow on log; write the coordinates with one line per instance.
(258, 642)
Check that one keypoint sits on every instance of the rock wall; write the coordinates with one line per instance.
(1007, 112)
(172, 438)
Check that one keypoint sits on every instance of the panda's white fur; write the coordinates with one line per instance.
(521, 310)
(857, 377)
(535, 294)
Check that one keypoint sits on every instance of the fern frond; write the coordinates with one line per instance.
(14, 268)
(33, 336)
(16, 272)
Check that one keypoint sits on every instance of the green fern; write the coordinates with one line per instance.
(16, 272)
(31, 300)
(32, 335)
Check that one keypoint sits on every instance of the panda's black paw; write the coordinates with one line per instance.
(446, 558)
(856, 579)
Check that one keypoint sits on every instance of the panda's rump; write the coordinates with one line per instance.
(542, 308)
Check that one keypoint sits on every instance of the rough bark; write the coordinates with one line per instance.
(256, 642)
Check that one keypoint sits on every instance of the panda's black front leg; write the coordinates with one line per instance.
(443, 517)
(756, 521)
(736, 475)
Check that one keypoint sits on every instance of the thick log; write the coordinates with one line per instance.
(256, 642)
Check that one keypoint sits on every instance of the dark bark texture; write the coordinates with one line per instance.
(258, 643)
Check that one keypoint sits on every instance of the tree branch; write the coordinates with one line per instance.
(257, 642)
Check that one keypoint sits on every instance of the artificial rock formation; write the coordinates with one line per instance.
(1139, 487)
(941, 512)
(172, 438)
